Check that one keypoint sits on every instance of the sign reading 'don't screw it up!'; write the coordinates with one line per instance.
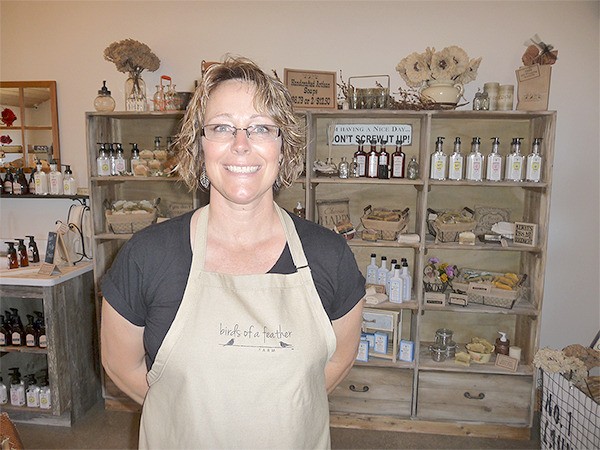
(350, 134)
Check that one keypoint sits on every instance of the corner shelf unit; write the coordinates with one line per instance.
(427, 396)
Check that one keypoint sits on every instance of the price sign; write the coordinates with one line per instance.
(310, 89)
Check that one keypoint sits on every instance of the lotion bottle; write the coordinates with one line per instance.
(33, 392)
(382, 271)
(56, 179)
(439, 161)
(494, 162)
(17, 389)
(12, 258)
(30, 332)
(45, 397)
(3, 393)
(396, 286)
(69, 186)
(22, 252)
(475, 162)
(407, 281)
(32, 250)
(514, 162)
(103, 161)
(502, 344)
(372, 270)
(534, 162)
(455, 169)
(41, 180)
(120, 162)
(41, 329)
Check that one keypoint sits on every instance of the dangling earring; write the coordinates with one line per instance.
(204, 181)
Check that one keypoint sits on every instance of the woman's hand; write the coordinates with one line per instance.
(347, 333)
(123, 355)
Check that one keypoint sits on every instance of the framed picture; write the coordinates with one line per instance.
(311, 89)
(525, 234)
(332, 212)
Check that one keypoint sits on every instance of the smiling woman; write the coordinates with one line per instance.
(274, 300)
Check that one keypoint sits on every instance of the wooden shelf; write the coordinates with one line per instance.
(22, 349)
(479, 246)
(367, 181)
(131, 178)
(358, 242)
(522, 307)
(494, 184)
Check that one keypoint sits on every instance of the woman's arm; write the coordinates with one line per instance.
(123, 355)
(347, 333)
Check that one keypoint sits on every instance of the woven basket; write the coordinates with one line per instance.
(129, 223)
(386, 230)
(448, 231)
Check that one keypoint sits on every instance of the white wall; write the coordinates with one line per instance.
(64, 41)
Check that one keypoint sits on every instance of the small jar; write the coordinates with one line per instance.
(438, 352)
(412, 170)
(443, 336)
(344, 168)
(450, 349)
(104, 101)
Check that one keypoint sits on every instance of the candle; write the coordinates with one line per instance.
(515, 352)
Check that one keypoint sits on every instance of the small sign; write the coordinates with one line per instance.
(455, 298)
(506, 362)
(332, 212)
(350, 134)
(310, 89)
(435, 298)
(525, 234)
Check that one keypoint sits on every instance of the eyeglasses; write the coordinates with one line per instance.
(227, 133)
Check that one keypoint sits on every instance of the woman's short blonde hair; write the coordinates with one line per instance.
(272, 99)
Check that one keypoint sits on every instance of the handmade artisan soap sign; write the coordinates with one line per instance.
(311, 89)
(351, 134)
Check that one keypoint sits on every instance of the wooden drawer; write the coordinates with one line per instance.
(379, 320)
(482, 398)
(374, 390)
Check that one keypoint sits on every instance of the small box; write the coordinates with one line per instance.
(435, 298)
(381, 342)
(458, 299)
(369, 337)
(407, 351)
(363, 350)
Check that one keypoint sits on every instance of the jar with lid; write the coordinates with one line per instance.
(104, 101)
(443, 336)
(412, 170)
(438, 352)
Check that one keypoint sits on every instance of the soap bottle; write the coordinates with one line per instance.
(17, 330)
(31, 184)
(455, 169)
(372, 270)
(3, 393)
(111, 158)
(41, 329)
(56, 179)
(396, 286)
(33, 392)
(120, 161)
(514, 162)
(135, 158)
(17, 389)
(103, 162)
(31, 337)
(502, 344)
(361, 159)
(4, 332)
(69, 186)
(475, 162)
(299, 210)
(20, 185)
(398, 161)
(407, 281)
(494, 162)
(7, 187)
(22, 252)
(41, 180)
(439, 161)
(389, 276)
(534, 163)
(382, 272)
(45, 396)
(12, 258)
(104, 101)
(32, 250)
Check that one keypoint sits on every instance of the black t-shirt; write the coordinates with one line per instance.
(146, 282)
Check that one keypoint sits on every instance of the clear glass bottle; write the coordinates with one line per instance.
(398, 161)
(384, 160)
(344, 168)
(354, 168)
(171, 98)
(474, 171)
(439, 161)
(69, 184)
(103, 162)
(477, 100)
(41, 180)
(413, 169)
(455, 168)
(361, 159)
(514, 162)
(120, 167)
(56, 179)
(104, 101)
(159, 99)
(494, 162)
(534, 162)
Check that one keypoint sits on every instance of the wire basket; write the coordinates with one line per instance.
(129, 223)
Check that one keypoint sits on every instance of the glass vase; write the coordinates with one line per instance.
(135, 93)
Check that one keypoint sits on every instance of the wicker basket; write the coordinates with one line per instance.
(387, 230)
(129, 223)
(492, 296)
(445, 229)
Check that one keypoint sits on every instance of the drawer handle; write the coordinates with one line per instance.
(354, 389)
(369, 321)
(481, 396)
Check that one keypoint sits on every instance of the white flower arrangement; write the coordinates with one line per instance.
(450, 64)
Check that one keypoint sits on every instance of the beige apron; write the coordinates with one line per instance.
(242, 365)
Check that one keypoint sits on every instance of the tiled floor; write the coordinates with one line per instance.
(101, 429)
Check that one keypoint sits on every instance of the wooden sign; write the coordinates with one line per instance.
(56, 251)
(525, 234)
(310, 89)
(351, 133)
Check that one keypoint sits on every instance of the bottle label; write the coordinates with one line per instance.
(16, 338)
(43, 343)
(373, 165)
(30, 340)
(2, 339)
(362, 165)
(45, 400)
(397, 163)
(33, 398)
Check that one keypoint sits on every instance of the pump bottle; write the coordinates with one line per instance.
(3, 393)
(439, 161)
(22, 252)
(103, 161)
(120, 166)
(17, 329)
(32, 250)
(514, 162)
(31, 338)
(475, 162)
(56, 179)
(41, 329)
(45, 397)
(494, 162)
(534, 162)
(4, 332)
(41, 180)
(69, 185)
(455, 169)
(12, 258)
(17, 389)
(502, 344)
(33, 392)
